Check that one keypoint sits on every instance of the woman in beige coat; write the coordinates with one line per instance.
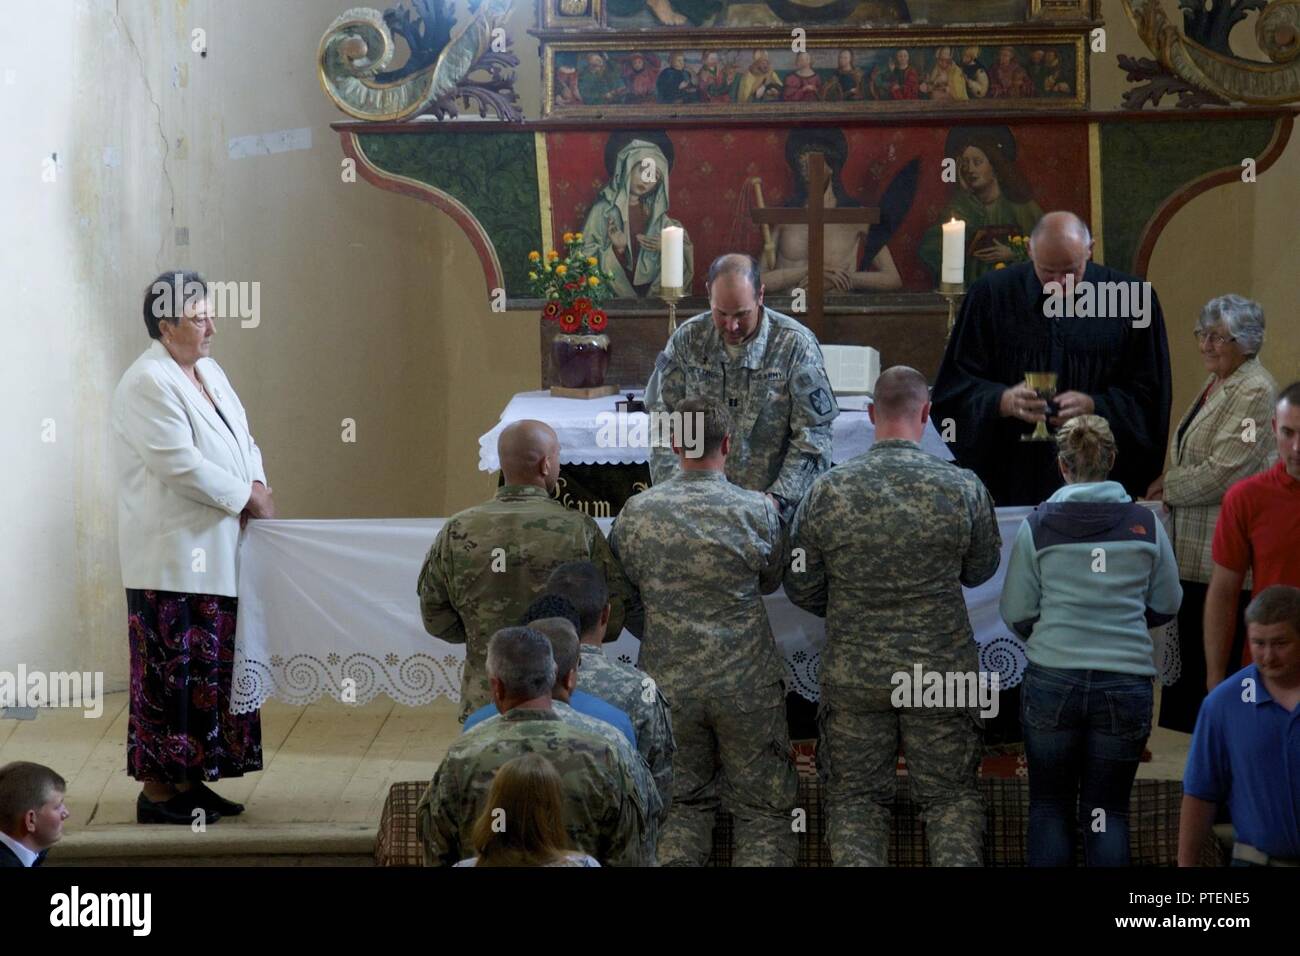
(1223, 438)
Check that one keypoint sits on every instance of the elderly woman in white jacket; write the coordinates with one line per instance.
(190, 477)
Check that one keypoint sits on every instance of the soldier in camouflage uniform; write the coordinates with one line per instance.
(489, 562)
(881, 548)
(622, 685)
(703, 552)
(564, 646)
(603, 811)
(767, 370)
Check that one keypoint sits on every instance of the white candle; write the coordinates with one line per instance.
(670, 257)
(954, 252)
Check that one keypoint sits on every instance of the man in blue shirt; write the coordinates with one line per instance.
(544, 608)
(1246, 747)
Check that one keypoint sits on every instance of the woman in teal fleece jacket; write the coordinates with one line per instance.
(1090, 573)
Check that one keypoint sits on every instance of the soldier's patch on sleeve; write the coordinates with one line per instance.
(663, 362)
(812, 385)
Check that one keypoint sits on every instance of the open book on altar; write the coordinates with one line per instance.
(852, 369)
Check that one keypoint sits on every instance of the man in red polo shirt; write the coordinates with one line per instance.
(1258, 532)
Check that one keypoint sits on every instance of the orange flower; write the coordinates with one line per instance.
(534, 256)
(568, 237)
(552, 255)
(597, 320)
(1000, 265)
(569, 321)
(561, 269)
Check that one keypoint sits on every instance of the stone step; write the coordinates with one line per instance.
(228, 840)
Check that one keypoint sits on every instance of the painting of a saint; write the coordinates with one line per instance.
(855, 257)
(598, 84)
(715, 79)
(760, 83)
(640, 73)
(899, 81)
(623, 225)
(992, 196)
(802, 83)
(1009, 79)
(676, 84)
(847, 81)
(977, 76)
(945, 81)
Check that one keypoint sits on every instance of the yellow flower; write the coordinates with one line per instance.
(552, 255)
(532, 275)
(568, 237)
(593, 281)
(591, 260)
(534, 256)
(561, 270)
(1000, 265)
(577, 237)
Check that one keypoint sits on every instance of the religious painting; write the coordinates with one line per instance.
(635, 15)
(609, 79)
(620, 187)
(570, 14)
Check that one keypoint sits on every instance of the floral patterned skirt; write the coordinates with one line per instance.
(182, 657)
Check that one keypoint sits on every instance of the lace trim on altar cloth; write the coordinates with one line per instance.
(356, 679)
(421, 678)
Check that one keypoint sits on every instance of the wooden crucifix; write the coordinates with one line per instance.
(816, 216)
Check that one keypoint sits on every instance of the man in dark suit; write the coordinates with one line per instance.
(31, 813)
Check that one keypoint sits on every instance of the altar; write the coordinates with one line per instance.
(329, 608)
(604, 453)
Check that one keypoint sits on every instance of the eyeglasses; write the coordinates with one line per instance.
(1214, 338)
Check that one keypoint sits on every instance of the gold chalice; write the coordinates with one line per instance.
(1044, 383)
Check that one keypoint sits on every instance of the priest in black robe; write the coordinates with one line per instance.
(1105, 366)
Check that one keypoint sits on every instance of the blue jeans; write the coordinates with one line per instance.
(1084, 736)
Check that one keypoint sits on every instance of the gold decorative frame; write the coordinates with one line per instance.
(855, 40)
(1054, 10)
(550, 15)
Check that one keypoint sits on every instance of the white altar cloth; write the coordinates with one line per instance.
(578, 423)
(330, 607)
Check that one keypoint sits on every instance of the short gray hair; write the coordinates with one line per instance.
(522, 659)
(564, 642)
(1243, 317)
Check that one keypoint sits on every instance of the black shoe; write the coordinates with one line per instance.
(179, 810)
(213, 802)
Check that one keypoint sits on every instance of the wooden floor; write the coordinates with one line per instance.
(327, 770)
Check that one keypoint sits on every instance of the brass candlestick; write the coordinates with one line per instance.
(672, 294)
(954, 292)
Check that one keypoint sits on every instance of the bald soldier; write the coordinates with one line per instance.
(1115, 365)
(766, 370)
(602, 809)
(489, 562)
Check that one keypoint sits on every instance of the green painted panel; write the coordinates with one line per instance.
(493, 176)
(1143, 164)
